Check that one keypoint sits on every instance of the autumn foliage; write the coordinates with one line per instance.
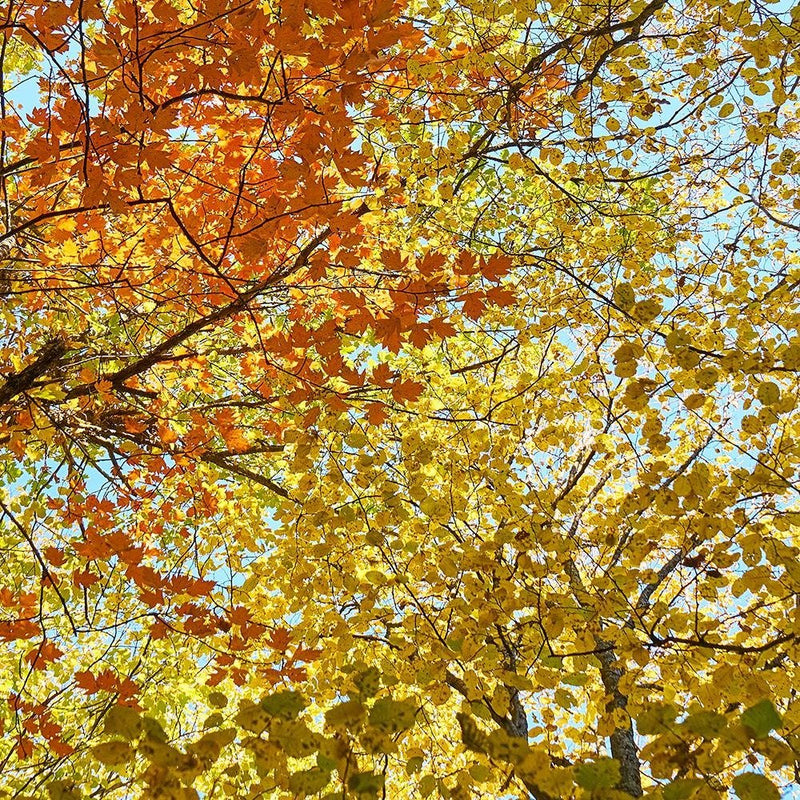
(399, 399)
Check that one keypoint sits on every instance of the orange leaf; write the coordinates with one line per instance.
(42, 655)
(280, 639)
(496, 267)
(376, 413)
(24, 748)
(501, 297)
(54, 556)
(306, 654)
(166, 434)
(474, 304)
(86, 681)
(407, 390)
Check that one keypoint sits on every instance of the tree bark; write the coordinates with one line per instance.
(623, 744)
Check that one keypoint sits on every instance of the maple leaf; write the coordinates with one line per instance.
(382, 375)
(388, 330)
(473, 304)
(280, 639)
(167, 434)
(306, 654)
(46, 652)
(86, 681)
(501, 296)
(496, 267)
(407, 390)
(24, 748)
(61, 748)
(376, 413)
(19, 629)
(54, 555)
(420, 335)
(214, 254)
(442, 328)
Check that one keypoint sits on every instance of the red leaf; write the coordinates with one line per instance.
(296, 673)
(442, 328)
(388, 331)
(86, 681)
(84, 578)
(280, 639)
(24, 748)
(408, 390)
(61, 748)
(420, 335)
(306, 654)
(18, 629)
(496, 267)
(382, 375)
(54, 556)
(501, 297)
(376, 413)
(474, 304)
(42, 655)
(239, 615)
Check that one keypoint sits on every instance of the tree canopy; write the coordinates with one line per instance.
(398, 398)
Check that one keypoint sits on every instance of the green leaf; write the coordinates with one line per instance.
(113, 753)
(707, 724)
(480, 772)
(414, 764)
(368, 681)
(480, 710)
(51, 392)
(471, 735)
(154, 730)
(506, 748)
(220, 738)
(345, 715)
(761, 718)
(427, 785)
(656, 719)
(393, 715)
(122, 721)
(309, 781)
(295, 738)
(63, 790)
(554, 662)
(600, 774)
(366, 783)
(751, 786)
(252, 717)
(213, 720)
(162, 755)
(283, 704)
(218, 699)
